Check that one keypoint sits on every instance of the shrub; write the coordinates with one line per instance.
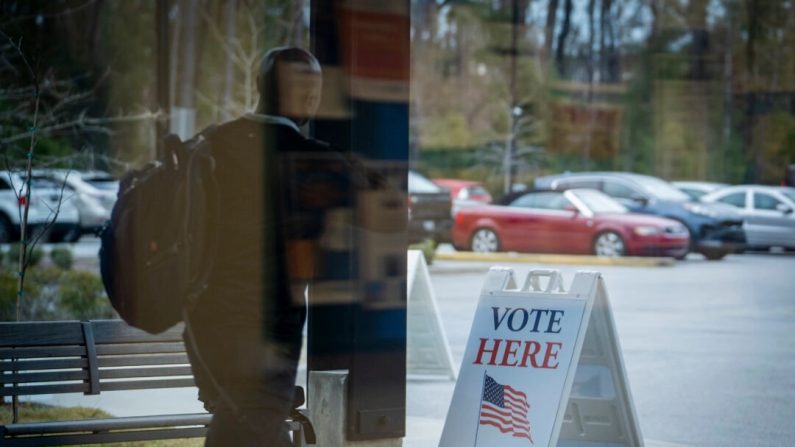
(428, 249)
(38, 301)
(62, 257)
(83, 297)
(12, 257)
(8, 296)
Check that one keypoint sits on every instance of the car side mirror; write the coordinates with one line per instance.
(571, 208)
(784, 208)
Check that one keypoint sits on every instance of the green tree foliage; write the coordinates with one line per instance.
(704, 89)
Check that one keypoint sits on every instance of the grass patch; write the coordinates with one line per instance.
(35, 412)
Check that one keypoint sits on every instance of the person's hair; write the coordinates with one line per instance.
(267, 77)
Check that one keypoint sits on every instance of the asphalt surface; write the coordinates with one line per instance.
(709, 349)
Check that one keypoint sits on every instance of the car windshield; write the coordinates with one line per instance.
(598, 202)
(472, 191)
(418, 183)
(660, 189)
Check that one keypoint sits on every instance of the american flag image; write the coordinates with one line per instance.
(506, 408)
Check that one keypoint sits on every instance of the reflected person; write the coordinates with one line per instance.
(245, 333)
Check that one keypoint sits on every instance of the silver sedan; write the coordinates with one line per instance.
(768, 213)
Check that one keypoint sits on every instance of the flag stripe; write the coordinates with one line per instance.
(515, 401)
(508, 430)
(505, 408)
(505, 422)
(515, 392)
(505, 414)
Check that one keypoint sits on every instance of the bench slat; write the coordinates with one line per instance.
(43, 352)
(34, 365)
(42, 377)
(129, 373)
(147, 384)
(116, 331)
(143, 360)
(141, 348)
(30, 390)
(40, 333)
(107, 424)
(106, 438)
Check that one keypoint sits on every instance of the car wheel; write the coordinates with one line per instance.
(610, 244)
(6, 230)
(485, 240)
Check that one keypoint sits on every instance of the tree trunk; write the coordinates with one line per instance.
(560, 52)
(549, 27)
(752, 174)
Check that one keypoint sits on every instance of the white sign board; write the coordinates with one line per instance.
(520, 363)
(427, 350)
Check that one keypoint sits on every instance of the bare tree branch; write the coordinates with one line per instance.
(82, 122)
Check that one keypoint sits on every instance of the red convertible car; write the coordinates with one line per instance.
(577, 221)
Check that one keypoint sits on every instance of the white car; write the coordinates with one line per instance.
(93, 203)
(47, 211)
(768, 213)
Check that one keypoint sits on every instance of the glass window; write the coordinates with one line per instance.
(577, 183)
(764, 201)
(695, 194)
(735, 199)
(599, 203)
(660, 189)
(418, 183)
(542, 200)
(618, 190)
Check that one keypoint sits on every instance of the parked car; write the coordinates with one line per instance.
(430, 210)
(93, 204)
(465, 193)
(696, 190)
(715, 231)
(576, 221)
(100, 180)
(45, 198)
(467, 190)
(768, 211)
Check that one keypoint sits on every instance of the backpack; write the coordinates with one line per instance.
(157, 248)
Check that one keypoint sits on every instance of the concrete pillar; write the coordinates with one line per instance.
(327, 404)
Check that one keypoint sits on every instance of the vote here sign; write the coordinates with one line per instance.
(518, 365)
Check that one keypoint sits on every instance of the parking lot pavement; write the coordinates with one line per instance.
(709, 347)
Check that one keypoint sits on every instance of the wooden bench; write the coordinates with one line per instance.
(92, 357)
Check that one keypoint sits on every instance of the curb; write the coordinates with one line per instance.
(627, 261)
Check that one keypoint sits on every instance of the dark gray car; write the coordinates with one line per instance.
(430, 210)
(715, 230)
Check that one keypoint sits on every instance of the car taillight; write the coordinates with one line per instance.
(22, 200)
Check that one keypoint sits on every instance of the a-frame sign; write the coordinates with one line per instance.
(542, 367)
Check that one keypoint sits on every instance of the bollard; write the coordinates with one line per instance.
(328, 391)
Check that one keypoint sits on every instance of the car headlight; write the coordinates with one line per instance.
(646, 231)
(700, 210)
